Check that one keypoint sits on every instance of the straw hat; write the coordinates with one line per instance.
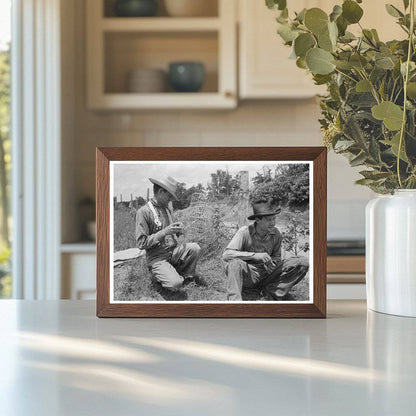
(169, 184)
(262, 209)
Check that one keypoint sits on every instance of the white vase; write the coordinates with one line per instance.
(391, 253)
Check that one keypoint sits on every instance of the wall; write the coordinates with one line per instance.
(256, 123)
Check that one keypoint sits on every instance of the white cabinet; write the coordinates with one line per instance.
(265, 70)
(78, 263)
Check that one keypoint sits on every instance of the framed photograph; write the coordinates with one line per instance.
(211, 232)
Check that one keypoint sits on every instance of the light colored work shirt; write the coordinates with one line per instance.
(246, 243)
(146, 227)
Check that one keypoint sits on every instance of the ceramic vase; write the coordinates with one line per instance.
(391, 253)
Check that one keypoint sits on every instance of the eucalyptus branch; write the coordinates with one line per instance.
(373, 89)
(406, 79)
(345, 75)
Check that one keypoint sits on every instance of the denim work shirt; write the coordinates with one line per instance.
(146, 227)
(247, 242)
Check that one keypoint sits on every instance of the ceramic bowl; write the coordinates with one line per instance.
(186, 76)
(135, 8)
(147, 80)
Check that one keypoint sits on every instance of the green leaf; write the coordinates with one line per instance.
(411, 90)
(351, 11)
(300, 17)
(412, 67)
(361, 99)
(358, 160)
(374, 175)
(368, 36)
(303, 43)
(374, 150)
(375, 35)
(276, 4)
(394, 144)
(286, 32)
(324, 42)
(301, 63)
(343, 145)
(364, 181)
(390, 113)
(363, 86)
(342, 25)
(406, 4)
(358, 61)
(316, 20)
(321, 79)
(341, 64)
(333, 32)
(385, 63)
(393, 11)
(347, 37)
(319, 61)
(336, 12)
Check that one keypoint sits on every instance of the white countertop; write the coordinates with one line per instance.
(57, 358)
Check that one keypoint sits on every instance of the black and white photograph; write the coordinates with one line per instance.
(208, 231)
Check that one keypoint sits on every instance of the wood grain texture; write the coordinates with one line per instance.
(317, 309)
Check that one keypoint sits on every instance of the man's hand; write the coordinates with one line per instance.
(263, 258)
(174, 228)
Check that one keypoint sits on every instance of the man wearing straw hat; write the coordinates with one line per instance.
(254, 260)
(169, 261)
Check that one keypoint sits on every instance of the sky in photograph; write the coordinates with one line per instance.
(133, 178)
(5, 20)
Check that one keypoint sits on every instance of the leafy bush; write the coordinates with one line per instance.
(289, 186)
(369, 112)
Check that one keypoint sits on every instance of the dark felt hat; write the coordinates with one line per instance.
(262, 209)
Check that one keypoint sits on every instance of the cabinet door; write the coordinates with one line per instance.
(265, 68)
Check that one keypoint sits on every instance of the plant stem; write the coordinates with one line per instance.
(345, 75)
(406, 79)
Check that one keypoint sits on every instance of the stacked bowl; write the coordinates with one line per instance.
(147, 80)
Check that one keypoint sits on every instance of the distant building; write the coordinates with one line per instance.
(244, 180)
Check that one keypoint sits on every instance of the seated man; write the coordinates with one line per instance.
(253, 258)
(169, 262)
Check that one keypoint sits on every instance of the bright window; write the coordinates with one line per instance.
(5, 147)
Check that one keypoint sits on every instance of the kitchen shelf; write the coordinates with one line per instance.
(165, 101)
(159, 24)
(116, 46)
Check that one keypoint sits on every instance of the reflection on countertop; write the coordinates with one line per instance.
(64, 360)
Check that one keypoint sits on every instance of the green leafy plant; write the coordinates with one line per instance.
(369, 113)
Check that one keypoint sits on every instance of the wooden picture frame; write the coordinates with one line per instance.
(315, 307)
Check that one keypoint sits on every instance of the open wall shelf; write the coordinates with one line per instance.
(116, 46)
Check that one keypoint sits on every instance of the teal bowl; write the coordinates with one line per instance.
(135, 8)
(186, 76)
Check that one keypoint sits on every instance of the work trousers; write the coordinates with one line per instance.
(172, 272)
(278, 283)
